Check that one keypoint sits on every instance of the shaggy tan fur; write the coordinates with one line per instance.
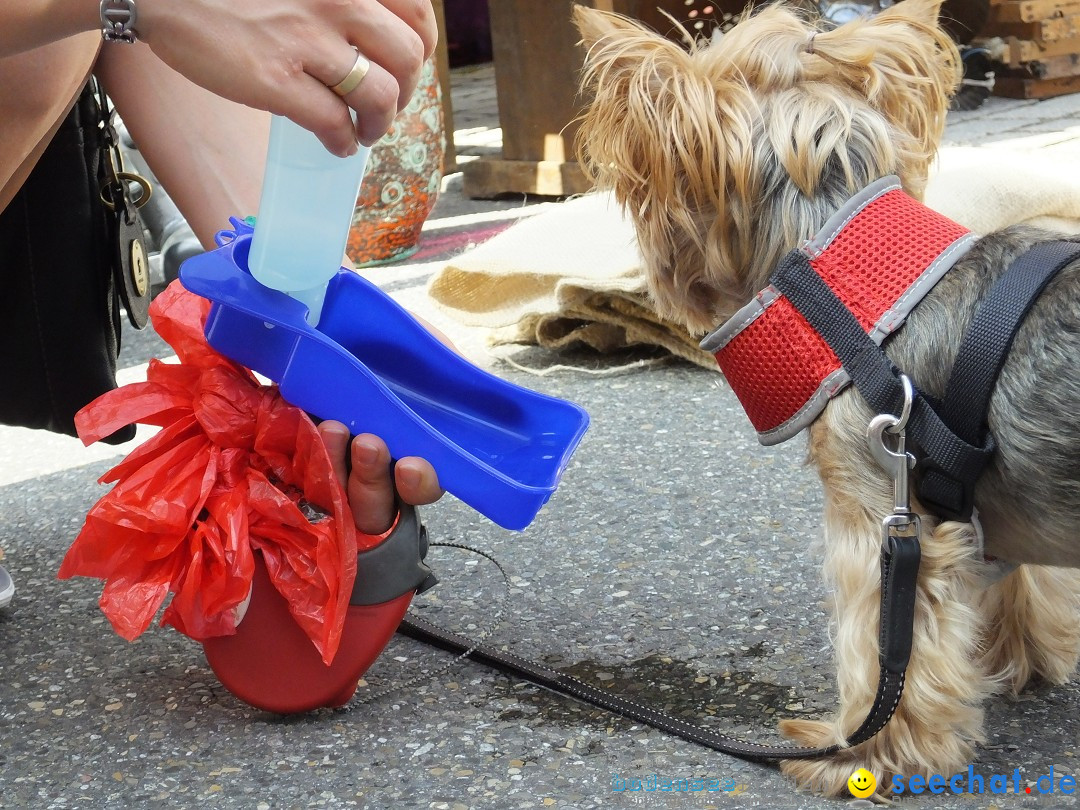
(726, 157)
(691, 141)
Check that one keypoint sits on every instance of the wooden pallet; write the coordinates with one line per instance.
(1036, 45)
(1052, 29)
(1026, 11)
(1053, 67)
(1036, 88)
(1013, 52)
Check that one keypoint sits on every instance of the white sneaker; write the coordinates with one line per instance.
(7, 588)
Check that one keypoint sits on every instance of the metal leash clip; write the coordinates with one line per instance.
(900, 535)
(897, 462)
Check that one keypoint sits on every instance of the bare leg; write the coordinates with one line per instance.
(207, 152)
(37, 88)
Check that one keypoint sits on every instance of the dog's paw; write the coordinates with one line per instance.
(825, 777)
(829, 776)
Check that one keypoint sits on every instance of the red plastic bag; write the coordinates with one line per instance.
(234, 469)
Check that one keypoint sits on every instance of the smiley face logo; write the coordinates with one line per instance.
(861, 783)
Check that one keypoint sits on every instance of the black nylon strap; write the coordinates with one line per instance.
(877, 379)
(982, 354)
(899, 569)
(870, 370)
(986, 344)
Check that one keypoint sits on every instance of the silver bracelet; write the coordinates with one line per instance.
(118, 21)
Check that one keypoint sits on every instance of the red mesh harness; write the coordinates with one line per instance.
(880, 254)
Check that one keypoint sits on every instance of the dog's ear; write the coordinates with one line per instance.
(661, 132)
(617, 43)
(595, 25)
(906, 66)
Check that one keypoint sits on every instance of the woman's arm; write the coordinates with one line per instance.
(208, 152)
(276, 55)
(30, 24)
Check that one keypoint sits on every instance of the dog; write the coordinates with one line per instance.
(730, 153)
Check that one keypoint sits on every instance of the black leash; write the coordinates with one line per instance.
(899, 569)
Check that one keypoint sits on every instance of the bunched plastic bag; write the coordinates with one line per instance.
(234, 469)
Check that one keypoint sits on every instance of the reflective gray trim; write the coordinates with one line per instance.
(894, 317)
(848, 211)
(726, 332)
(7, 588)
(832, 385)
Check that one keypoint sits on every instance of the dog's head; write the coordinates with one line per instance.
(731, 153)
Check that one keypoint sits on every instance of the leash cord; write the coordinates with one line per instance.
(466, 651)
(900, 563)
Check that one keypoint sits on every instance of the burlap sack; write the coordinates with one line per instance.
(573, 273)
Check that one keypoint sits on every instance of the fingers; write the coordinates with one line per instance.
(311, 104)
(389, 40)
(416, 481)
(420, 16)
(369, 487)
(375, 101)
(335, 437)
(370, 490)
(395, 36)
(400, 36)
(329, 115)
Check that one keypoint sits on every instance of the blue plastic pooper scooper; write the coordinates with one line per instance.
(342, 349)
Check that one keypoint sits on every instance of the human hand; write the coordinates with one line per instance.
(284, 55)
(368, 485)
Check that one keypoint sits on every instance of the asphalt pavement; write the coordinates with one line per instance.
(676, 563)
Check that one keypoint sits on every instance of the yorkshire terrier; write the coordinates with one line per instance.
(729, 154)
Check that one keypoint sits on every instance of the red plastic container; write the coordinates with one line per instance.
(271, 664)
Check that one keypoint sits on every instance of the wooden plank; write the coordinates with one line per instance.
(1019, 51)
(1016, 11)
(489, 177)
(1036, 88)
(1043, 31)
(537, 60)
(1054, 67)
(442, 65)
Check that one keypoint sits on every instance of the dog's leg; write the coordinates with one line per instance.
(1033, 625)
(940, 715)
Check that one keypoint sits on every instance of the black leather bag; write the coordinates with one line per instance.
(66, 263)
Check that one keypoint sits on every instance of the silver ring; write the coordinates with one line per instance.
(905, 413)
(359, 70)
